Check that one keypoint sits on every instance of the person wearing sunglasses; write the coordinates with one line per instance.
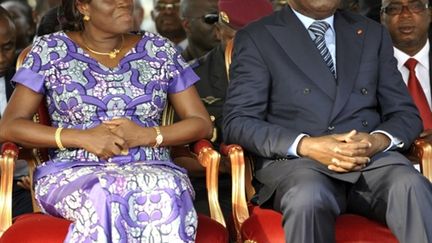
(408, 22)
(165, 15)
(198, 18)
(233, 15)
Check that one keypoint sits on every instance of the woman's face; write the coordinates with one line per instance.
(110, 16)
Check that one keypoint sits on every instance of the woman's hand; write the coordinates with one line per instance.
(128, 130)
(102, 142)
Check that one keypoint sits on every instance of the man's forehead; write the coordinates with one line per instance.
(165, 1)
(385, 2)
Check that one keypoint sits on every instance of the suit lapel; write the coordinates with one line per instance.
(349, 45)
(294, 39)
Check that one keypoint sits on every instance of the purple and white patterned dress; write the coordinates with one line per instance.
(139, 197)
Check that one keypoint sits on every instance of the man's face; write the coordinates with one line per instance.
(165, 14)
(24, 25)
(7, 45)
(199, 23)
(408, 23)
(316, 9)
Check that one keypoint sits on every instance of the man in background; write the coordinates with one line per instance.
(22, 16)
(167, 20)
(408, 23)
(198, 20)
(21, 196)
(211, 68)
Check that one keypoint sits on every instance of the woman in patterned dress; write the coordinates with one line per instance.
(109, 170)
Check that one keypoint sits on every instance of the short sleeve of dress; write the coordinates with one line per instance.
(35, 67)
(181, 73)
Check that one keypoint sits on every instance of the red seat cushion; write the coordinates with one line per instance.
(210, 231)
(36, 228)
(265, 226)
(354, 228)
(41, 228)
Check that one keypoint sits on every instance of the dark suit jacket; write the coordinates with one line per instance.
(9, 87)
(280, 87)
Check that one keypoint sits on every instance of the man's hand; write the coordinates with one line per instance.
(378, 142)
(340, 152)
(25, 182)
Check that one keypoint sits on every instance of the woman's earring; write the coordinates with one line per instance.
(86, 18)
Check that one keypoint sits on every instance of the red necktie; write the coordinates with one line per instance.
(418, 94)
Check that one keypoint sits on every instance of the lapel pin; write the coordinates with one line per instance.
(359, 31)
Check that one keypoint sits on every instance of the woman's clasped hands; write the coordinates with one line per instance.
(114, 137)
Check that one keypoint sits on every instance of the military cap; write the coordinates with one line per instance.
(239, 13)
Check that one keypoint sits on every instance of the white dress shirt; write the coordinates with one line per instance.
(421, 69)
(3, 98)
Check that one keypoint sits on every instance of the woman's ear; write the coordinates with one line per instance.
(83, 8)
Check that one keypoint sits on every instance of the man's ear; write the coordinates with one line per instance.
(430, 16)
(218, 31)
(153, 15)
(186, 25)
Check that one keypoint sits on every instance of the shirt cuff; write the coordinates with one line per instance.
(395, 142)
(292, 150)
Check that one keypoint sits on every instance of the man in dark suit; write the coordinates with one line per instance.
(21, 197)
(408, 23)
(324, 110)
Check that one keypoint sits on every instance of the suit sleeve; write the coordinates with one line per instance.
(247, 102)
(399, 114)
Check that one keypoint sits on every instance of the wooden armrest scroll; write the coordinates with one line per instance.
(210, 159)
(240, 208)
(421, 151)
(9, 154)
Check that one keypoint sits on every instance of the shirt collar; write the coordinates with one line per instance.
(422, 56)
(307, 21)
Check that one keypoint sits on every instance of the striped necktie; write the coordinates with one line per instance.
(319, 28)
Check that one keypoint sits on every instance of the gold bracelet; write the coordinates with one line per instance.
(58, 138)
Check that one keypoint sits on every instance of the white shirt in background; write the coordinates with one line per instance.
(422, 68)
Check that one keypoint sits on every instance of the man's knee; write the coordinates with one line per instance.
(411, 182)
(309, 200)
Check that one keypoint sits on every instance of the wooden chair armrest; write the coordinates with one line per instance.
(9, 154)
(238, 171)
(421, 152)
(210, 159)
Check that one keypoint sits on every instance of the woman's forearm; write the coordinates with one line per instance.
(182, 132)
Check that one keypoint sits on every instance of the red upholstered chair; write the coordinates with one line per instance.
(37, 227)
(257, 225)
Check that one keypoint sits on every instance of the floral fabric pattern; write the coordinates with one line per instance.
(138, 197)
